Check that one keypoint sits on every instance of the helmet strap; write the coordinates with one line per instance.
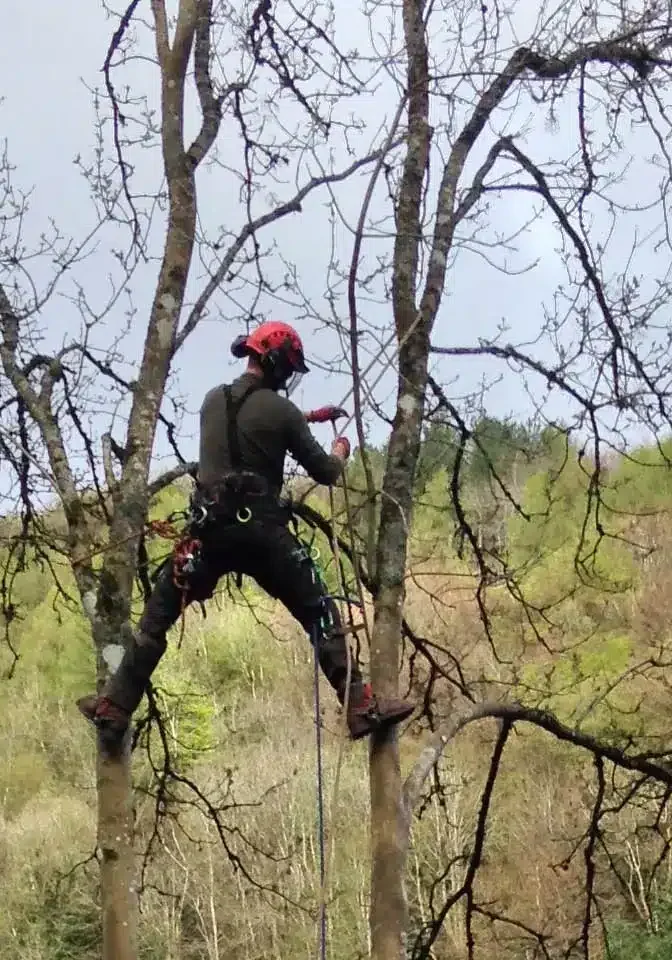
(276, 367)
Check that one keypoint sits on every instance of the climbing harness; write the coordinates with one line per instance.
(233, 408)
(243, 515)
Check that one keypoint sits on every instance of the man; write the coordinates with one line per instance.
(246, 429)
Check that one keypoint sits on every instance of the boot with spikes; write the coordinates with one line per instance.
(110, 720)
(367, 713)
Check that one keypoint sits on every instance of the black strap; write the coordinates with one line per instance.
(232, 411)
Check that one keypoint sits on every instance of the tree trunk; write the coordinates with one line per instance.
(389, 835)
(117, 867)
(131, 496)
(389, 828)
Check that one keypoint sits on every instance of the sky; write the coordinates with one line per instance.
(50, 67)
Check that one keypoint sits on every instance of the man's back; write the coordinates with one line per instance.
(268, 426)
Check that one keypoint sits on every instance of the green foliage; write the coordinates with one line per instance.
(634, 941)
(578, 685)
(62, 922)
(497, 447)
(237, 700)
(434, 524)
(58, 646)
(437, 453)
(642, 481)
(563, 538)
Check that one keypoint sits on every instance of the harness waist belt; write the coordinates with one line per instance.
(237, 485)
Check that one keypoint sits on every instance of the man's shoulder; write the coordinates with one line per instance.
(214, 392)
(282, 408)
(286, 407)
(277, 411)
(237, 388)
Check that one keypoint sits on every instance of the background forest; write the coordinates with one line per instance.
(569, 613)
(464, 211)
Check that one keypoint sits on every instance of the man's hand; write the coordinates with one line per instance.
(341, 448)
(325, 414)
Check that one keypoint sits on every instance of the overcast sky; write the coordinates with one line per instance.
(49, 65)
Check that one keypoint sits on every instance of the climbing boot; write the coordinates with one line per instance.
(110, 720)
(367, 713)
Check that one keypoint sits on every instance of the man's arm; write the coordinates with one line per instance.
(322, 467)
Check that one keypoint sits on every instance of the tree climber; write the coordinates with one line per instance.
(246, 428)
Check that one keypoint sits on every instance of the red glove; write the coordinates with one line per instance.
(325, 414)
(343, 444)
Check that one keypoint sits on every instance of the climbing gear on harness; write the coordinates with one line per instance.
(325, 414)
(187, 557)
(279, 351)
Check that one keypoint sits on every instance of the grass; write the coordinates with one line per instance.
(238, 699)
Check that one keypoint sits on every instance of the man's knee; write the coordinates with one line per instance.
(161, 610)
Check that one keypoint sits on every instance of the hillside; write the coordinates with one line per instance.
(574, 620)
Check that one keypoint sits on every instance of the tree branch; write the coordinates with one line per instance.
(619, 344)
(408, 226)
(211, 106)
(170, 476)
(38, 405)
(515, 712)
(161, 30)
(354, 345)
(618, 51)
(117, 117)
(427, 937)
(509, 352)
(251, 228)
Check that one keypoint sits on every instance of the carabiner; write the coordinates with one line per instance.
(200, 515)
(244, 515)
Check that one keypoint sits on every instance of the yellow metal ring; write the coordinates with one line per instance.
(314, 553)
(244, 515)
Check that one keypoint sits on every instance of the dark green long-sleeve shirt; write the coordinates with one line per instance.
(269, 426)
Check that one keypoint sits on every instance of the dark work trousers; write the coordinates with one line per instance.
(269, 553)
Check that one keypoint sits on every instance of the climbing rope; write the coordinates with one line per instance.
(185, 555)
(322, 910)
(348, 680)
(325, 854)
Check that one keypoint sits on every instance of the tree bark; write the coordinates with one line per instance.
(388, 828)
(389, 831)
(131, 497)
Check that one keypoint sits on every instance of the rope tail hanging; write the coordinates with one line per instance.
(348, 679)
(322, 920)
(324, 854)
(321, 828)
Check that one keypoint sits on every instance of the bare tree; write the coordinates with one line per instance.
(590, 71)
(476, 107)
(271, 81)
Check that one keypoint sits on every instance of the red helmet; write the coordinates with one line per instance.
(277, 345)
